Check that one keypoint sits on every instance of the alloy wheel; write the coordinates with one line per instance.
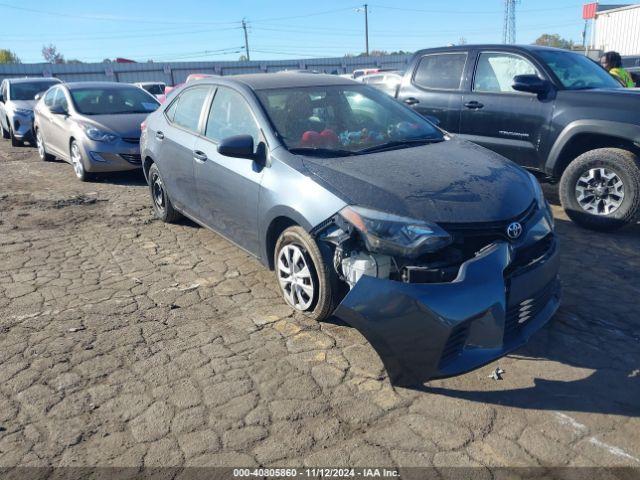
(599, 191)
(76, 160)
(295, 277)
(40, 144)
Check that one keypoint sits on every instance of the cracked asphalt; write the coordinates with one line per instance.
(127, 342)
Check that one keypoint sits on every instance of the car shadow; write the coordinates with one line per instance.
(596, 332)
(133, 178)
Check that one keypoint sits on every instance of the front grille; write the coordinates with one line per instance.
(455, 343)
(518, 315)
(526, 257)
(132, 140)
(132, 158)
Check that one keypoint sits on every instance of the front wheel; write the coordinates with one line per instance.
(14, 141)
(307, 283)
(42, 149)
(78, 163)
(600, 189)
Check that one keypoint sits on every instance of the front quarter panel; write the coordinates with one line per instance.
(289, 191)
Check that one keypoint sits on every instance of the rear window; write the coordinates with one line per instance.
(440, 71)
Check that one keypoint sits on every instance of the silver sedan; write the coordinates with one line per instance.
(95, 126)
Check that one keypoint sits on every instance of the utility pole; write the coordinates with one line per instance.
(366, 27)
(246, 39)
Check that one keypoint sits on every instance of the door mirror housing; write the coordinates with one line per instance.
(238, 146)
(530, 84)
(58, 110)
(38, 96)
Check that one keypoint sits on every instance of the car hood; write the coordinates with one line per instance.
(123, 125)
(448, 182)
(28, 104)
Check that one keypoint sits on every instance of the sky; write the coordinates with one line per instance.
(192, 30)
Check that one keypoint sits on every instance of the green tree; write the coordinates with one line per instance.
(553, 40)
(7, 56)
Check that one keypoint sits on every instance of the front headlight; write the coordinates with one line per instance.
(540, 200)
(99, 135)
(23, 111)
(393, 234)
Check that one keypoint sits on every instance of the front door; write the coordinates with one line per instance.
(229, 188)
(57, 129)
(435, 88)
(496, 116)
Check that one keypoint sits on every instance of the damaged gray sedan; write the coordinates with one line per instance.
(440, 252)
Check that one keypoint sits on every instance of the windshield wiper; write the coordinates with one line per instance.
(412, 142)
(321, 152)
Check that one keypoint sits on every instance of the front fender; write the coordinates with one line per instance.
(624, 131)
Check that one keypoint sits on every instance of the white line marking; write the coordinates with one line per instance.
(567, 420)
(613, 450)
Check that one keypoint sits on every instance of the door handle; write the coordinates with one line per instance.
(474, 105)
(160, 135)
(411, 101)
(199, 156)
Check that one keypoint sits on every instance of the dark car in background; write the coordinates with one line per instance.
(440, 252)
(17, 100)
(95, 126)
(553, 111)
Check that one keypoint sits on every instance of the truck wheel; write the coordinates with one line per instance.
(306, 281)
(14, 141)
(600, 189)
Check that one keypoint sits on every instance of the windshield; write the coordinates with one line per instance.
(577, 72)
(342, 119)
(28, 90)
(110, 100)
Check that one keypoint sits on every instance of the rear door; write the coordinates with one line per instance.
(496, 116)
(435, 87)
(228, 188)
(178, 136)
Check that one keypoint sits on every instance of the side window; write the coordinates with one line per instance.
(50, 96)
(188, 108)
(495, 72)
(440, 71)
(230, 115)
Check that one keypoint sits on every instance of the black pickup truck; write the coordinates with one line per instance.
(555, 112)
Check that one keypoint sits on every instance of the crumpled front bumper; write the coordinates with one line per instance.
(426, 331)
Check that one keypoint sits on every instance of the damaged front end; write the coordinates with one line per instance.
(440, 300)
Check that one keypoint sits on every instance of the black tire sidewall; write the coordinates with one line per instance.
(160, 213)
(324, 302)
(624, 164)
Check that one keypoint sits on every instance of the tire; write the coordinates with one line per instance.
(42, 149)
(616, 206)
(5, 134)
(77, 161)
(162, 206)
(322, 279)
(14, 141)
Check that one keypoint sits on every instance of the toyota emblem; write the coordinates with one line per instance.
(514, 230)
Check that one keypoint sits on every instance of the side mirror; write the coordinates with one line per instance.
(530, 84)
(58, 110)
(238, 146)
(38, 96)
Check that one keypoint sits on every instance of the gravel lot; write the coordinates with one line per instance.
(127, 342)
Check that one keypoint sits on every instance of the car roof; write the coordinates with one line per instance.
(33, 79)
(488, 46)
(264, 81)
(76, 85)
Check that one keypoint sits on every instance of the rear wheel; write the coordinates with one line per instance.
(162, 205)
(600, 189)
(42, 150)
(306, 281)
(78, 162)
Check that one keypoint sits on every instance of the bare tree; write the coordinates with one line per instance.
(51, 55)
